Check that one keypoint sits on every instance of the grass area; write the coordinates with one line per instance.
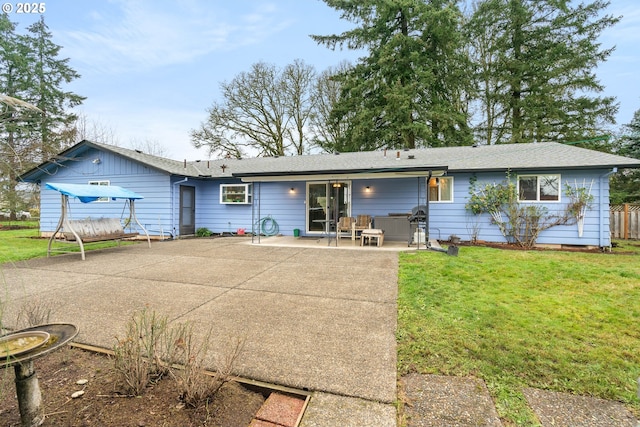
(627, 247)
(561, 321)
(21, 244)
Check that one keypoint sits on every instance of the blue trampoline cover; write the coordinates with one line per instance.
(90, 193)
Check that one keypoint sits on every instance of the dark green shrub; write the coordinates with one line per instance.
(203, 232)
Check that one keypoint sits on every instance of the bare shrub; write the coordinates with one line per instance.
(194, 386)
(227, 361)
(170, 346)
(151, 349)
(131, 366)
(137, 360)
(197, 385)
(151, 330)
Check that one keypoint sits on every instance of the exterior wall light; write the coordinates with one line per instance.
(292, 190)
(367, 189)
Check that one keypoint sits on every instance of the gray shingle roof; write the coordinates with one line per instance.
(516, 157)
(457, 159)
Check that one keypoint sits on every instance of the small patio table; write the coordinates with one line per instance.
(372, 233)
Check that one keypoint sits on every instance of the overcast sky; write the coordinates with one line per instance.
(151, 68)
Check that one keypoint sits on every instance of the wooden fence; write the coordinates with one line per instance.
(625, 221)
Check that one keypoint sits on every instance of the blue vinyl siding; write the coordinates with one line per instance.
(159, 210)
(400, 195)
(275, 199)
(152, 211)
(596, 231)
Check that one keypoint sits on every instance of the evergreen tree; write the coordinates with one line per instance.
(13, 123)
(49, 74)
(625, 185)
(408, 91)
(31, 71)
(536, 62)
(630, 141)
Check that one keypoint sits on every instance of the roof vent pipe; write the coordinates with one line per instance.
(397, 155)
(385, 152)
(185, 163)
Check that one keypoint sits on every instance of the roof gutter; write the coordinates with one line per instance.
(338, 174)
(544, 168)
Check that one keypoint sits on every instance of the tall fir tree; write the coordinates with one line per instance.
(49, 74)
(13, 123)
(535, 62)
(31, 70)
(625, 185)
(630, 141)
(408, 92)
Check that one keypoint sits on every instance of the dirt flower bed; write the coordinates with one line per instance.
(563, 248)
(103, 405)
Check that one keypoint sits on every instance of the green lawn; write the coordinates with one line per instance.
(16, 245)
(554, 320)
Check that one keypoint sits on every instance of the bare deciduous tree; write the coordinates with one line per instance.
(327, 133)
(84, 128)
(149, 146)
(263, 112)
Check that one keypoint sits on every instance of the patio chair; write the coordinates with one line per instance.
(345, 224)
(363, 222)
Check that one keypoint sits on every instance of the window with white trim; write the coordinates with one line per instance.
(235, 194)
(101, 199)
(441, 189)
(539, 188)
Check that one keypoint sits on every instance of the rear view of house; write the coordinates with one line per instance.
(307, 195)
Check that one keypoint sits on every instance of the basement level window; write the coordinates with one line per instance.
(235, 194)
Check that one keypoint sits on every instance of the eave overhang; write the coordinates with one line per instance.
(342, 174)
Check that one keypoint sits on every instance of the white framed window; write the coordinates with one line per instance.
(236, 194)
(101, 199)
(441, 189)
(539, 188)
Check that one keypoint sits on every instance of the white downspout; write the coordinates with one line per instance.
(601, 208)
(173, 204)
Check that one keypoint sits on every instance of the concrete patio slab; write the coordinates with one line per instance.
(436, 400)
(567, 410)
(105, 262)
(302, 327)
(331, 410)
(102, 307)
(322, 280)
(334, 345)
(18, 283)
(200, 270)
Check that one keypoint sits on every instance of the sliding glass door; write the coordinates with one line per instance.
(327, 201)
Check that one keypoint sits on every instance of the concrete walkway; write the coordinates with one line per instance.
(320, 319)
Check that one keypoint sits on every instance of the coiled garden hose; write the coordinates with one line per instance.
(269, 226)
